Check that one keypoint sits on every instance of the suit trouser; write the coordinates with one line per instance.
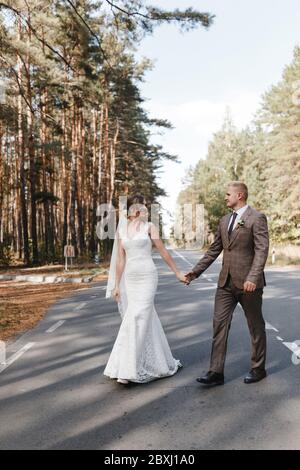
(226, 300)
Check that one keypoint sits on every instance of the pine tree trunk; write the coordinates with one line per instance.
(1, 185)
(21, 157)
(31, 153)
(65, 185)
(93, 219)
(72, 219)
(79, 181)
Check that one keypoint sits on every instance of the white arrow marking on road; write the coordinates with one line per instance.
(16, 356)
(55, 326)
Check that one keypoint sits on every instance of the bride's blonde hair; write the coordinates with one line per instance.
(136, 200)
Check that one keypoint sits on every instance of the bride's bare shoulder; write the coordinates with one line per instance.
(153, 230)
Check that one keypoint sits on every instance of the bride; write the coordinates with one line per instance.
(141, 352)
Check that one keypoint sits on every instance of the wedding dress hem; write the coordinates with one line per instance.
(148, 378)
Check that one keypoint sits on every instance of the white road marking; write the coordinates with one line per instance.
(2, 353)
(205, 276)
(294, 347)
(206, 288)
(182, 257)
(55, 326)
(16, 356)
(270, 327)
(80, 306)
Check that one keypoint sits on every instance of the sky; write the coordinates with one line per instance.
(198, 74)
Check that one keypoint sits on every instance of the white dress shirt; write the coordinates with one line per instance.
(239, 212)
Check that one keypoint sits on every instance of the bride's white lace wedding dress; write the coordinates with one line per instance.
(141, 352)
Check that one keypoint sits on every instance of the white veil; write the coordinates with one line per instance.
(122, 303)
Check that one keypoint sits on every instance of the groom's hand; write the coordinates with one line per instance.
(190, 277)
(249, 286)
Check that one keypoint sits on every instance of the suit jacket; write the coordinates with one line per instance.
(245, 254)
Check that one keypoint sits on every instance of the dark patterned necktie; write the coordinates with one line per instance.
(234, 216)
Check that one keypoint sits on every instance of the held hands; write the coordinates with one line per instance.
(181, 277)
(186, 278)
(190, 276)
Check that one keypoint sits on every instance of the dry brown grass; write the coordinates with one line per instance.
(23, 305)
(55, 270)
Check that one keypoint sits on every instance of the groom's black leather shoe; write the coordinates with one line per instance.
(211, 378)
(255, 375)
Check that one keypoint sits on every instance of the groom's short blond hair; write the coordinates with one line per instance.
(240, 187)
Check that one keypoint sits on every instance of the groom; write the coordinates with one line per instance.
(243, 237)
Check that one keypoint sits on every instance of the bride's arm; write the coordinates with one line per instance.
(154, 233)
(120, 263)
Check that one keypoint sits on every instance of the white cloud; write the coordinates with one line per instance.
(199, 119)
(195, 123)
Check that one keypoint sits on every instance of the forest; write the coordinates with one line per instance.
(73, 130)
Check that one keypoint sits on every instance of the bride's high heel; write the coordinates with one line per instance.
(123, 381)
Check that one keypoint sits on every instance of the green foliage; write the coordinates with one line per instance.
(266, 156)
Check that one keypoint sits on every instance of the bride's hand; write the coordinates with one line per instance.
(181, 277)
(116, 294)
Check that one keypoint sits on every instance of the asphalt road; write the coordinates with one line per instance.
(53, 394)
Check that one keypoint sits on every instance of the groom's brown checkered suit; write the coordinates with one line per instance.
(245, 255)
